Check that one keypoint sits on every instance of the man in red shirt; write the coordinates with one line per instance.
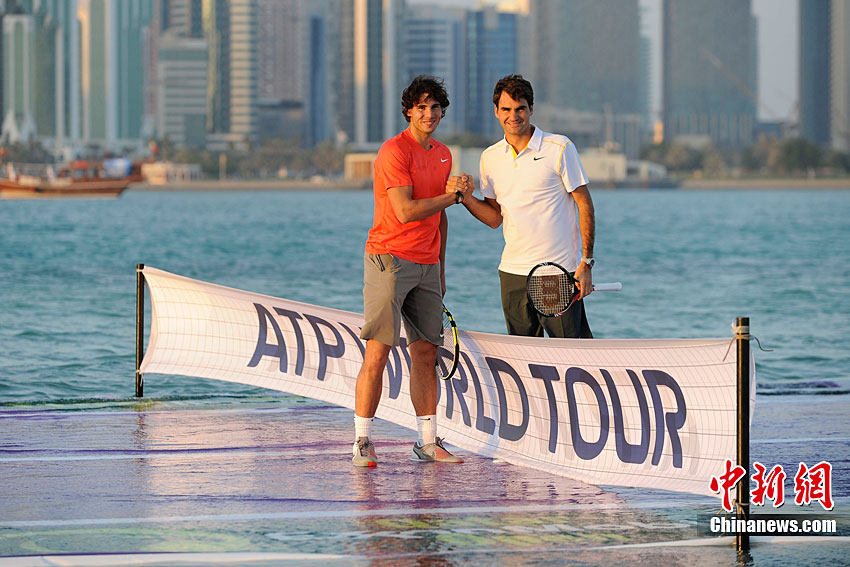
(404, 275)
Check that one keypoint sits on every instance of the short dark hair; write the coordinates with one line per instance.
(421, 85)
(517, 88)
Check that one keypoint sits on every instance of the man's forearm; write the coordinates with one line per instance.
(586, 220)
(484, 211)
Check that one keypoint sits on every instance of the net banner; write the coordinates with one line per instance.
(631, 412)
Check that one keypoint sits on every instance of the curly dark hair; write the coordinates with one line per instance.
(420, 85)
(517, 88)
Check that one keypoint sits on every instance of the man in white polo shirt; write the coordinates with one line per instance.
(533, 182)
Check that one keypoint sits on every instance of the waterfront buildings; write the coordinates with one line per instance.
(840, 75)
(709, 59)
(814, 63)
(230, 28)
(824, 79)
(223, 73)
(585, 62)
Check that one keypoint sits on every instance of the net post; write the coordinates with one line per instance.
(140, 328)
(742, 338)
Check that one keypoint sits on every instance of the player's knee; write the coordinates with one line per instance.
(422, 351)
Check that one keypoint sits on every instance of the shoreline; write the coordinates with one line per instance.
(766, 183)
(253, 185)
(343, 185)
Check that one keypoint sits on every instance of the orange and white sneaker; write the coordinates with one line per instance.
(433, 453)
(364, 453)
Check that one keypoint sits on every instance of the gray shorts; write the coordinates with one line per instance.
(394, 290)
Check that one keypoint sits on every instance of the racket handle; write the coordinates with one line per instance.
(615, 286)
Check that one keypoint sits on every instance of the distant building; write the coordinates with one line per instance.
(112, 33)
(433, 44)
(359, 167)
(319, 96)
(183, 18)
(67, 87)
(182, 90)
(281, 49)
(230, 28)
(588, 129)
(491, 46)
(173, 19)
(163, 173)
(586, 55)
(281, 119)
(645, 80)
(368, 88)
(293, 69)
(604, 168)
(20, 77)
(709, 85)
(824, 81)
(840, 75)
(470, 50)
(814, 65)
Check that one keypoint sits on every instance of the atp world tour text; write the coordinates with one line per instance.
(477, 378)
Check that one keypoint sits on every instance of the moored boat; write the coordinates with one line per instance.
(86, 179)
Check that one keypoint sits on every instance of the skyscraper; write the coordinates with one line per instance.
(230, 28)
(709, 86)
(47, 66)
(184, 18)
(281, 48)
(20, 77)
(112, 34)
(433, 43)
(587, 53)
(182, 89)
(318, 101)
(586, 56)
(293, 58)
(491, 48)
(814, 63)
(840, 75)
(368, 88)
(68, 89)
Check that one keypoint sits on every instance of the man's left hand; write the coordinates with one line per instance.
(584, 279)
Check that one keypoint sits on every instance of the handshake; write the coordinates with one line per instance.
(461, 185)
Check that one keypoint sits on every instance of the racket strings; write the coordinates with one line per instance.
(446, 335)
(446, 368)
(551, 293)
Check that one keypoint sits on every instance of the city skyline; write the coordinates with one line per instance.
(345, 62)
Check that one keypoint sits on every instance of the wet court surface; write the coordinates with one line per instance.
(172, 484)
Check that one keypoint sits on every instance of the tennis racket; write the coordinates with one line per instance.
(451, 344)
(552, 290)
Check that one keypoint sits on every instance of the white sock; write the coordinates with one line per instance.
(362, 426)
(427, 426)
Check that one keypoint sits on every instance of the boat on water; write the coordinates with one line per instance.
(87, 179)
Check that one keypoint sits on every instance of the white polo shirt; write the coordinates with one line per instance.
(534, 190)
